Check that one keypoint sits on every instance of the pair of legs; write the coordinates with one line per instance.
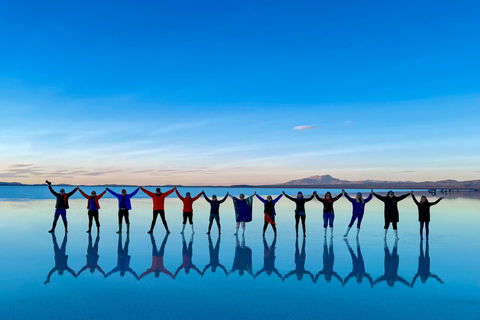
(215, 217)
(266, 223)
(328, 220)
(154, 220)
(58, 213)
(238, 226)
(427, 230)
(187, 216)
(93, 214)
(299, 217)
(123, 214)
(352, 221)
(394, 225)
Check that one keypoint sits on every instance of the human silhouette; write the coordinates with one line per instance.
(358, 266)
(187, 255)
(243, 258)
(300, 257)
(123, 259)
(424, 266)
(269, 259)
(328, 261)
(60, 258)
(92, 256)
(157, 258)
(391, 264)
(214, 260)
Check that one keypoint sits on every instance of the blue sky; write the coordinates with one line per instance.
(188, 92)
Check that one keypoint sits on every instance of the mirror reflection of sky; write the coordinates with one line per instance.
(198, 276)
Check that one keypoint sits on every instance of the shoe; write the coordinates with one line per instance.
(150, 231)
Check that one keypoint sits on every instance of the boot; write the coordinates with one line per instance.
(53, 227)
(66, 227)
(358, 232)
(385, 236)
(193, 231)
(346, 233)
(324, 232)
(151, 227)
(128, 227)
(119, 228)
(396, 234)
(331, 232)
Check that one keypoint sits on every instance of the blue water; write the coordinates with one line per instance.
(311, 277)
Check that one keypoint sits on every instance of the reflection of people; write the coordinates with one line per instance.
(214, 211)
(243, 258)
(391, 264)
(299, 263)
(391, 210)
(123, 206)
(269, 259)
(358, 266)
(157, 259)
(158, 206)
(123, 259)
(214, 260)
(187, 256)
(328, 261)
(328, 213)
(243, 210)
(61, 206)
(299, 209)
(358, 205)
(60, 258)
(187, 208)
(92, 256)
(269, 212)
(92, 206)
(424, 213)
(424, 266)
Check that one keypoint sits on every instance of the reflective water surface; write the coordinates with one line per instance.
(247, 276)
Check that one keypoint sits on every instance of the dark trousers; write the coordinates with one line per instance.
(387, 224)
(123, 213)
(352, 221)
(215, 217)
(154, 220)
(189, 216)
(297, 219)
(93, 214)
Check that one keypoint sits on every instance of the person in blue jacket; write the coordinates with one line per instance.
(358, 210)
(123, 206)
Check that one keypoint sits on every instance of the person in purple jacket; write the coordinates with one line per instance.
(123, 206)
(358, 210)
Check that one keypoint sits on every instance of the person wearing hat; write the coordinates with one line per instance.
(328, 213)
(391, 210)
(158, 206)
(61, 205)
(358, 210)
(187, 208)
(123, 206)
(299, 210)
(92, 206)
(214, 210)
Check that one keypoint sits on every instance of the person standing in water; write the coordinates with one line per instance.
(123, 206)
(299, 210)
(358, 210)
(187, 208)
(328, 213)
(269, 212)
(391, 210)
(93, 206)
(158, 206)
(243, 210)
(61, 206)
(424, 213)
(214, 210)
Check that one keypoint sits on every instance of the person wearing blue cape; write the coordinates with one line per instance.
(243, 210)
(123, 206)
(269, 212)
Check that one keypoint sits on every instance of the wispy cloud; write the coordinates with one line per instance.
(405, 171)
(304, 127)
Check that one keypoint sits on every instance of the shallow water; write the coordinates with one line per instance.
(300, 277)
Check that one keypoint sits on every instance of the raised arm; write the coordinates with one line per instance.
(403, 196)
(198, 196)
(288, 197)
(337, 197)
(434, 203)
(72, 192)
(261, 199)
(151, 194)
(51, 190)
(169, 192)
(277, 198)
(83, 193)
(206, 198)
(348, 197)
(180, 197)
(318, 198)
(224, 198)
(101, 194)
(310, 198)
(415, 199)
(131, 195)
(113, 193)
(370, 196)
(379, 197)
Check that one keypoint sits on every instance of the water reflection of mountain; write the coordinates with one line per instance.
(61, 258)
(92, 256)
(157, 259)
(123, 259)
(391, 265)
(243, 258)
(214, 259)
(358, 266)
(300, 257)
(328, 261)
(424, 266)
(187, 256)
(269, 259)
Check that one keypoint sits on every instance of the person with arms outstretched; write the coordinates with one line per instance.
(328, 261)
(243, 258)
(123, 259)
(358, 205)
(92, 256)
(187, 208)
(93, 206)
(299, 210)
(328, 213)
(358, 266)
(300, 257)
(214, 210)
(60, 258)
(269, 259)
(61, 206)
(424, 266)
(391, 210)
(124, 206)
(158, 206)
(214, 259)
(157, 259)
(269, 212)
(424, 213)
(391, 264)
(187, 257)
(243, 210)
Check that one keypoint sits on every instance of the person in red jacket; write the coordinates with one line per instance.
(188, 208)
(158, 206)
(92, 206)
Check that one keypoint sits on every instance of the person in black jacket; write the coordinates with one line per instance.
(328, 213)
(214, 210)
(299, 210)
(424, 213)
(391, 210)
(61, 205)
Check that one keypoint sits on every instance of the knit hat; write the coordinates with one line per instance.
(124, 191)
(359, 194)
(62, 190)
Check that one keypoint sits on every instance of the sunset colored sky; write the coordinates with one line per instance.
(238, 92)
